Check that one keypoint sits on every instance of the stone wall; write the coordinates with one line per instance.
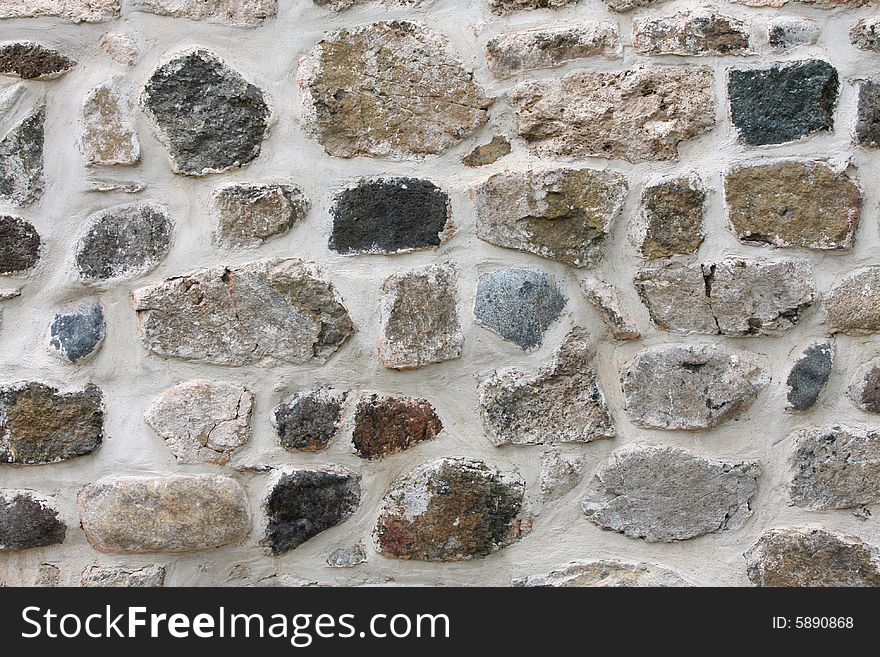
(439, 292)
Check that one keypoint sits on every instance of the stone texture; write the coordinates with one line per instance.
(672, 218)
(347, 557)
(791, 203)
(867, 129)
(77, 11)
(278, 308)
(109, 136)
(853, 304)
(561, 214)
(486, 154)
(606, 301)
(662, 493)
(310, 420)
(249, 215)
(812, 557)
(418, 318)
(808, 376)
(519, 305)
(121, 48)
(785, 32)
(40, 425)
(123, 242)
(21, 160)
(560, 474)
(385, 425)
(19, 245)
(698, 32)
(559, 403)
(27, 521)
(690, 388)
(118, 576)
(507, 6)
(389, 215)
(450, 510)
(835, 467)
(235, 12)
(77, 335)
(628, 5)
(864, 391)
(342, 5)
(731, 297)
(607, 573)
(208, 116)
(32, 61)
(176, 513)
(359, 97)
(784, 102)
(637, 115)
(304, 503)
(865, 35)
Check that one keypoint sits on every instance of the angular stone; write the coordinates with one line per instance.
(208, 116)
(21, 160)
(40, 425)
(388, 425)
(19, 245)
(853, 304)
(418, 318)
(661, 493)
(561, 214)
(278, 308)
(604, 298)
(785, 102)
(637, 115)
(672, 218)
(234, 12)
(812, 557)
(31, 61)
(507, 6)
(123, 242)
(519, 305)
(867, 130)
(487, 153)
(77, 11)
(109, 136)
(342, 5)
(559, 403)
(304, 503)
(608, 573)
(347, 557)
(698, 32)
(791, 203)
(177, 513)
(120, 47)
(864, 391)
(390, 215)
(785, 32)
(27, 521)
(560, 474)
(393, 89)
(118, 576)
(865, 35)
(310, 420)
(731, 297)
(809, 375)
(450, 510)
(819, 4)
(835, 467)
(48, 575)
(690, 388)
(249, 215)
(77, 335)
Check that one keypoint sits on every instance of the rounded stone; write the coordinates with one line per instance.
(310, 420)
(853, 304)
(809, 375)
(77, 335)
(387, 425)
(32, 61)
(864, 391)
(19, 245)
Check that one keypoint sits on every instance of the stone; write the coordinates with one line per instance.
(270, 309)
(629, 5)
(672, 218)
(559, 403)
(867, 129)
(819, 4)
(123, 186)
(342, 5)
(360, 99)
(786, 32)
(390, 215)
(519, 305)
(507, 6)
(606, 301)
(835, 467)
(853, 304)
(607, 573)
(690, 388)
(782, 103)
(32, 61)
(77, 335)
(560, 214)
(124, 242)
(250, 215)
(202, 421)
(305, 503)
(40, 425)
(28, 521)
(118, 576)
(234, 12)
(808, 376)
(20, 245)
(109, 137)
(386, 425)
(696, 33)
(21, 160)
(790, 203)
(121, 48)
(560, 474)
(207, 115)
(176, 513)
(665, 494)
(48, 575)
(864, 391)
(639, 115)
(509, 54)
(347, 557)
(488, 153)
(450, 509)
(865, 35)
(77, 11)
(812, 557)
(310, 420)
(418, 318)
(731, 297)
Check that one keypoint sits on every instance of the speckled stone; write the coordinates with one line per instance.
(20, 245)
(672, 218)
(853, 304)
(121, 577)
(77, 11)
(560, 473)
(867, 129)
(786, 32)
(250, 215)
(865, 35)
(386, 425)
(310, 420)
(808, 376)
(77, 335)
(864, 391)
(605, 299)
(21, 160)
(234, 12)
(607, 573)
(28, 521)
(694, 33)
(508, 6)
(32, 61)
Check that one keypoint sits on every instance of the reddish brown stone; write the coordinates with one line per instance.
(388, 425)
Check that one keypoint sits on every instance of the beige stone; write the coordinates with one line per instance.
(78, 11)
(109, 136)
(853, 304)
(605, 299)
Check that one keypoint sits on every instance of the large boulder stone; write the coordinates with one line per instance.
(28, 521)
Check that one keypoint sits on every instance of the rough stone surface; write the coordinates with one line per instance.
(486, 154)
(276, 308)
(604, 298)
(865, 35)
(347, 557)
(690, 387)
(121, 577)
(28, 521)
(21, 160)
(853, 304)
(121, 48)
(662, 493)
(672, 216)
(785, 32)
(864, 391)
(867, 129)
(387, 425)
(77, 11)
(507, 6)
(208, 116)
(628, 5)
(235, 12)
(607, 573)
(450, 510)
(31, 61)
(808, 376)
(342, 5)
(698, 32)
(560, 474)
(636, 115)
(77, 335)
(176, 513)
(109, 137)
(249, 215)
(40, 425)
(19, 245)
(359, 96)
(310, 420)
(561, 214)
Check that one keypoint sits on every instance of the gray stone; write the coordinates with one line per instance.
(119, 576)
(809, 375)
(865, 35)
(21, 160)
(667, 494)
(864, 391)
(347, 557)
(20, 245)
(560, 474)
(28, 521)
(249, 215)
(386, 425)
(697, 32)
(629, 5)
(310, 420)
(234, 12)
(607, 573)
(853, 304)
(77, 335)
(507, 6)
(77, 11)
(109, 137)
(342, 5)
(786, 32)
(31, 61)
(604, 298)
(672, 218)
(867, 129)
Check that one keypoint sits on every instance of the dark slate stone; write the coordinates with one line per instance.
(784, 102)
(305, 503)
(209, 117)
(26, 522)
(21, 160)
(519, 304)
(77, 335)
(868, 113)
(32, 61)
(310, 420)
(19, 245)
(390, 215)
(809, 375)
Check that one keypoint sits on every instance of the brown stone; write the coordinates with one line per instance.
(853, 304)
(607, 573)
(487, 153)
(32, 61)
(109, 136)
(672, 215)
(697, 32)
(388, 425)
(864, 391)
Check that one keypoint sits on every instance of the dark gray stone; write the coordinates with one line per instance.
(77, 335)
(21, 160)
(867, 128)
(864, 391)
(310, 420)
(809, 375)
(27, 522)
(19, 245)
(32, 61)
